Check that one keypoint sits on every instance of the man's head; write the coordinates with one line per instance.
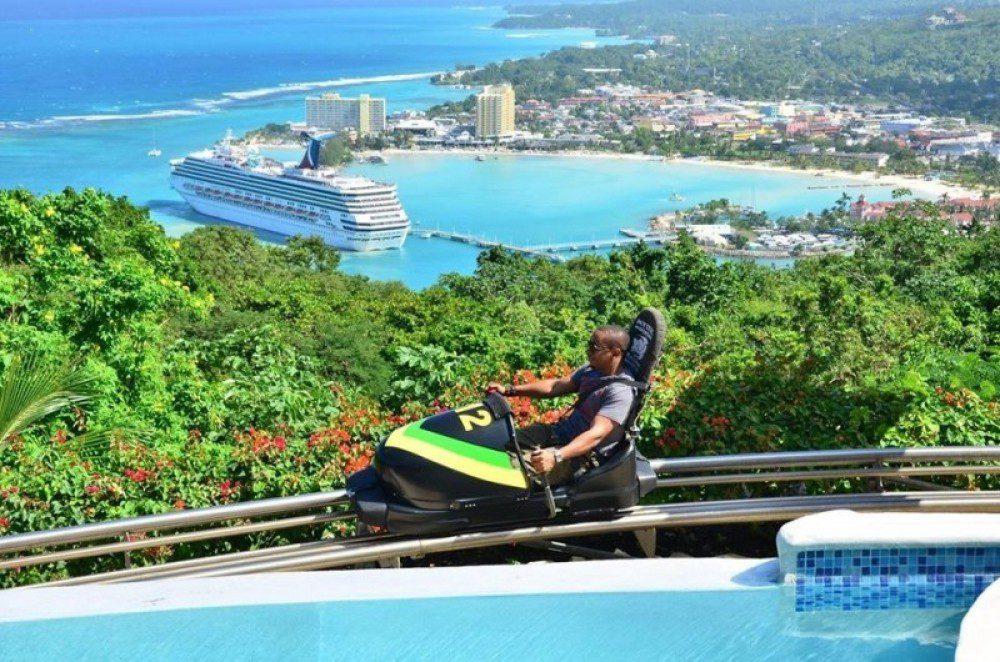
(606, 348)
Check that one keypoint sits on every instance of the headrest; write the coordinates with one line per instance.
(645, 344)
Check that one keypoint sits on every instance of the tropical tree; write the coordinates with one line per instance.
(31, 391)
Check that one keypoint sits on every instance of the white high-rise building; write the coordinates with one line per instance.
(365, 114)
(495, 111)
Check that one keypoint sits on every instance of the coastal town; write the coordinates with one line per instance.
(910, 154)
(342, 330)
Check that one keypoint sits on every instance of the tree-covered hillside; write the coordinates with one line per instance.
(949, 71)
(225, 369)
(650, 17)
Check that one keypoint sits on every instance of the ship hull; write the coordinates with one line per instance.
(282, 225)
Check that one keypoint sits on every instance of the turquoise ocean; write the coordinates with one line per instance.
(83, 100)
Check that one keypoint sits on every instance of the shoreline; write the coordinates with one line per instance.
(917, 185)
(921, 188)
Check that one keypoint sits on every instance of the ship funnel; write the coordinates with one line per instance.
(310, 160)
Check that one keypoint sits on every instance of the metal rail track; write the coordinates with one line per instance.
(339, 553)
(314, 509)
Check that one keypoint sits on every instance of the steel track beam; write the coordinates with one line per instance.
(338, 553)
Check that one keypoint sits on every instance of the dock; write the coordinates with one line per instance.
(840, 186)
(552, 251)
(482, 242)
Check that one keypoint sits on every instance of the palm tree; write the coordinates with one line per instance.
(30, 391)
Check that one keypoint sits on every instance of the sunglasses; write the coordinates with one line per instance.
(595, 347)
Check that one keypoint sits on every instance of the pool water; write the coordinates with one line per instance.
(750, 624)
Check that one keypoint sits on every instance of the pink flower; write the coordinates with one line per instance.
(92, 489)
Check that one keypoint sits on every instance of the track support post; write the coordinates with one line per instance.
(647, 541)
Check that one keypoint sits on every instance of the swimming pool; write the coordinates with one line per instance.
(559, 614)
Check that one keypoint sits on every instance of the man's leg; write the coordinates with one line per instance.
(541, 435)
(536, 435)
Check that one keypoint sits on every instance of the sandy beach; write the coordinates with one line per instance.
(921, 188)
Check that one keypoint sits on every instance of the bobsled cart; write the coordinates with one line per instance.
(463, 468)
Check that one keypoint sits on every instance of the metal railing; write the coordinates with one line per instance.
(872, 463)
(343, 552)
(126, 528)
(889, 463)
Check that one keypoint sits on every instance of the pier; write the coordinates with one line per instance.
(552, 251)
(840, 186)
(481, 242)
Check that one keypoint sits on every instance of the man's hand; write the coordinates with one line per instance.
(495, 387)
(543, 460)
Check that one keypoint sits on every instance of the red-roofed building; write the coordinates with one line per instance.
(970, 204)
(706, 120)
(863, 210)
(961, 218)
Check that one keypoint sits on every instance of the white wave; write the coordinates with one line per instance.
(112, 117)
(210, 105)
(524, 35)
(64, 120)
(202, 106)
(287, 88)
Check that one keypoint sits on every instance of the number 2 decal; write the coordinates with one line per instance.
(479, 418)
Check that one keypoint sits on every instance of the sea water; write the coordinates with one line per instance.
(536, 201)
(83, 101)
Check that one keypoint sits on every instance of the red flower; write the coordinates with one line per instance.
(179, 504)
(228, 488)
(4, 522)
(329, 436)
(92, 489)
(138, 475)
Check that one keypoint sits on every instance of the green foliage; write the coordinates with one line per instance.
(31, 391)
(335, 152)
(776, 52)
(253, 371)
(273, 133)
(423, 374)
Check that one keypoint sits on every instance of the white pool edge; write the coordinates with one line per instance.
(978, 638)
(847, 529)
(638, 575)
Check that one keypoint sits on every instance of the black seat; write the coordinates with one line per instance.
(641, 358)
(644, 351)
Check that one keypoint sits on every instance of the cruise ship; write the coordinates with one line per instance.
(241, 186)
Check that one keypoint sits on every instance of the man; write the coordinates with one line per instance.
(593, 430)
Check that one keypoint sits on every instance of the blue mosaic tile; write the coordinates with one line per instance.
(893, 578)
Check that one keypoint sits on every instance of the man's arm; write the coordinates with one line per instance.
(545, 459)
(544, 388)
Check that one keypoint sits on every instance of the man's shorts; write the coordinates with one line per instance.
(540, 435)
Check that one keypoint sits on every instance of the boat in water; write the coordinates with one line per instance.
(154, 152)
(239, 185)
(676, 197)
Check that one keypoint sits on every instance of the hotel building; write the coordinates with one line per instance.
(365, 114)
(495, 111)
